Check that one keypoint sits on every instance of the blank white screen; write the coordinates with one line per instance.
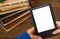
(43, 19)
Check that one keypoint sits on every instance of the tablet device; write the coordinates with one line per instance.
(43, 20)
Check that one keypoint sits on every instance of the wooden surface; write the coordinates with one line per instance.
(28, 23)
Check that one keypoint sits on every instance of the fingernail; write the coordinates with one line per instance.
(39, 37)
(54, 32)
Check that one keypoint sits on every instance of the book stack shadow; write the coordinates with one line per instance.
(14, 13)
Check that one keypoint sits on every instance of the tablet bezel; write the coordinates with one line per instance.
(45, 32)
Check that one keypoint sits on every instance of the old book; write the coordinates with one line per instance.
(10, 2)
(10, 7)
(8, 14)
(16, 9)
(15, 23)
(12, 18)
(13, 5)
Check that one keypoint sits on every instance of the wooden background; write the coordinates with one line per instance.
(28, 23)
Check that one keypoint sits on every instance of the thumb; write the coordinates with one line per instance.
(56, 31)
(35, 37)
(31, 30)
(58, 24)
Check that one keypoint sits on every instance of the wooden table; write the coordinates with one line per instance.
(28, 23)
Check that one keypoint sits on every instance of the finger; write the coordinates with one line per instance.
(31, 30)
(56, 31)
(58, 24)
(35, 37)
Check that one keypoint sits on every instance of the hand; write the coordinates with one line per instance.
(30, 32)
(58, 26)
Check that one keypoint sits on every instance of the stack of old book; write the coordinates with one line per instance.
(13, 13)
